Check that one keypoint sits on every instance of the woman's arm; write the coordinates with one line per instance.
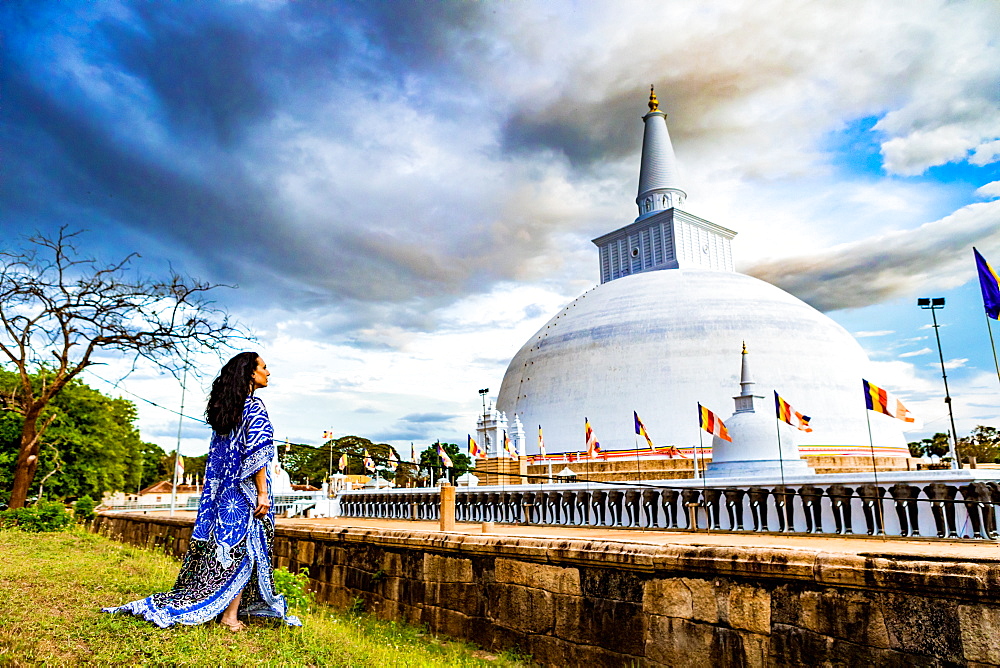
(263, 500)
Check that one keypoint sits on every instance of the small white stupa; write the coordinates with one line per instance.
(755, 431)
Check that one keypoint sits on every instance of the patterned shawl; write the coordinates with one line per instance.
(230, 495)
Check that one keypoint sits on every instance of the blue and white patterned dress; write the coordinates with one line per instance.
(230, 549)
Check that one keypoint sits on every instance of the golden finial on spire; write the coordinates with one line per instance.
(744, 347)
(654, 104)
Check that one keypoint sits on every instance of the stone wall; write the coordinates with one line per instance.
(595, 602)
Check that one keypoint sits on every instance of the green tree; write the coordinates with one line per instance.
(983, 444)
(91, 446)
(305, 462)
(430, 461)
(154, 465)
(936, 445)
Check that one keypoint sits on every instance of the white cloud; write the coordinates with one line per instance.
(989, 191)
(881, 332)
(914, 353)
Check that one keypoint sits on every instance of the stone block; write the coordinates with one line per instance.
(392, 564)
(852, 615)
(439, 568)
(586, 621)
(750, 608)
(610, 583)
(704, 600)
(555, 579)
(448, 622)
(462, 597)
(920, 625)
(521, 608)
(980, 626)
(678, 642)
(668, 597)
(792, 646)
(549, 651)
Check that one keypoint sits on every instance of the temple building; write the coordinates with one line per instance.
(664, 331)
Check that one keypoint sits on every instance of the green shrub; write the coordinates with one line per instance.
(83, 509)
(294, 587)
(43, 516)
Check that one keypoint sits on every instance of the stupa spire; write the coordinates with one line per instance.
(745, 399)
(659, 187)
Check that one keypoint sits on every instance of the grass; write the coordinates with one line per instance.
(52, 586)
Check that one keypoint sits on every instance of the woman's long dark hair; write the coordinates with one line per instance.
(229, 392)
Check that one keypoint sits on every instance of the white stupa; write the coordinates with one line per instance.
(663, 332)
(756, 449)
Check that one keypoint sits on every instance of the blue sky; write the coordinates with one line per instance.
(405, 192)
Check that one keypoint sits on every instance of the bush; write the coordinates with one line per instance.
(294, 587)
(43, 516)
(83, 509)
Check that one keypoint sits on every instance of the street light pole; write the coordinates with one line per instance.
(932, 305)
(482, 395)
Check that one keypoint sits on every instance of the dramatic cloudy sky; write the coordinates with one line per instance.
(403, 192)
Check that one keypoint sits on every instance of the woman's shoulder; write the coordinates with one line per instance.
(253, 405)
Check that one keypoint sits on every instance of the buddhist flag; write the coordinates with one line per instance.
(593, 446)
(788, 414)
(393, 461)
(541, 441)
(474, 450)
(881, 401)
(989, 282)
(327, 435)
(342, 465)
(369, 462)
(445, 459)
(640, 429)
(711, 423)
(672, 450)
(178, 468)
(507, 446)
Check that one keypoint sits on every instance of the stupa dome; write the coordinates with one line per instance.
(659, 342)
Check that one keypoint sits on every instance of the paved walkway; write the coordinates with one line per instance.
(966, 549)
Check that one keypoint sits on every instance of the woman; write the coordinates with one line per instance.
(227, 569)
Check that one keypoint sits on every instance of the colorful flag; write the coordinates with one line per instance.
(672, 450)
(881, 401)
(288, 446)
(474, 450)
(369, 462)
(989, 283)
(640, 429)
(178, 468)
(393, 461)
(788, 414)
(413, 453)
(541, 441)
(343, 462)
(327, 435)
(508, 448)
(445, 459)
(593, 446)
(711, 423)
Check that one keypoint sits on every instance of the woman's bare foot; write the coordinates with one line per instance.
(233, 626)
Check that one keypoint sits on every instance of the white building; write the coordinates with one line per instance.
(664, 330)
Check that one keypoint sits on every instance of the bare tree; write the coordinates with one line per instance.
(59, 308)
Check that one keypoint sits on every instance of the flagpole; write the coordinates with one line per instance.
(177, 450)
(329, 469)
(878, 497)
(989, 329)
(638, 465)
(704, 485)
